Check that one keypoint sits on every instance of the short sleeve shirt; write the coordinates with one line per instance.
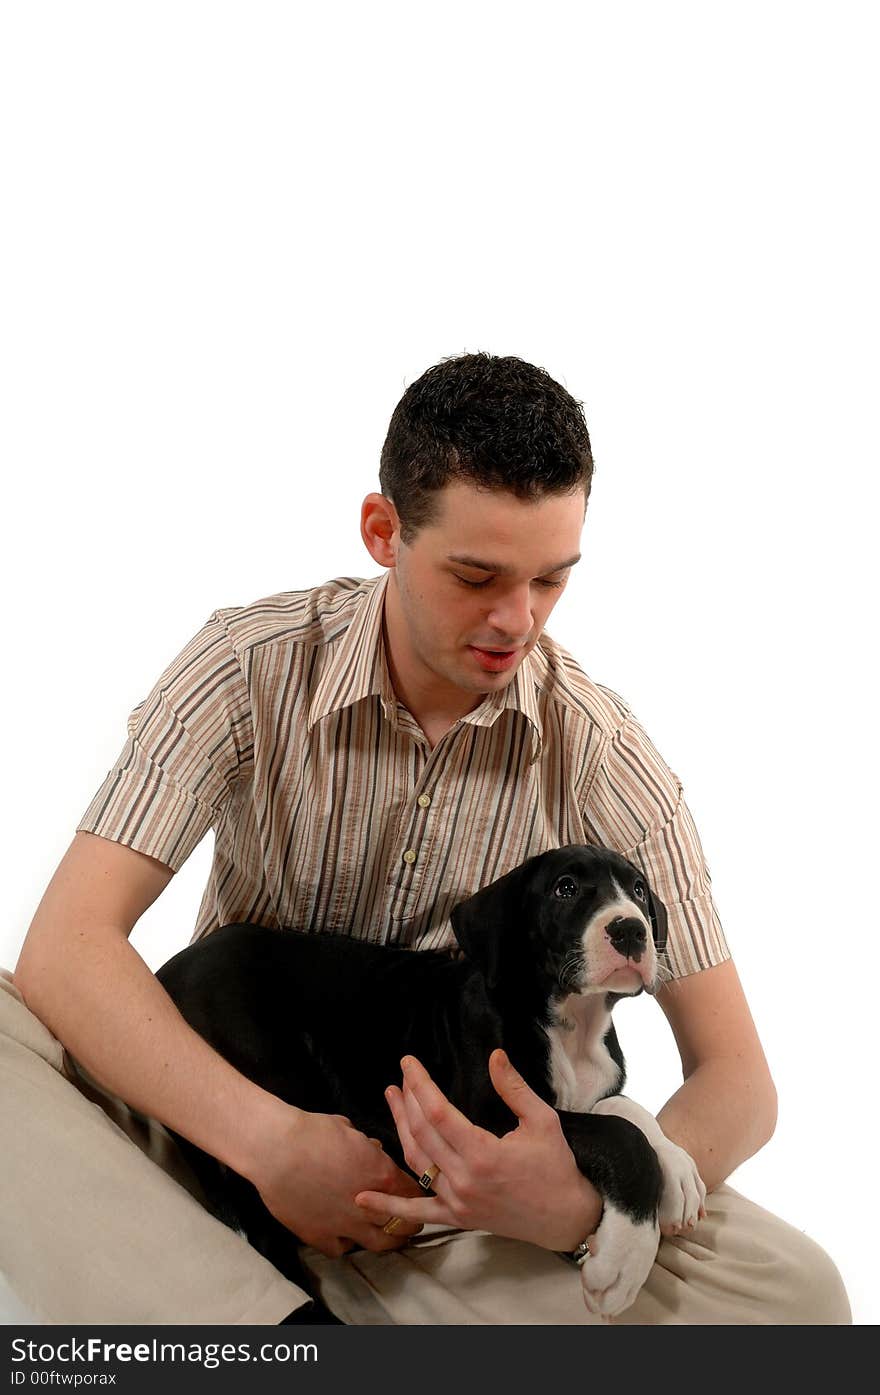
(277, 727)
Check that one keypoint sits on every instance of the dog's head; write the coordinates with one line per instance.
(580, 919)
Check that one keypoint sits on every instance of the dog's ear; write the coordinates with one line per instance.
(481, 923)
(659, 919)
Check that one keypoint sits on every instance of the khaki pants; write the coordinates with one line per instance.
(100, 1223)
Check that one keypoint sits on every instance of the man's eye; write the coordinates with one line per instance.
(540, 581)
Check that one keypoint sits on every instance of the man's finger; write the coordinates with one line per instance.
(401, 1121)
(378, 1206)
(369, 1234)
(437, 1124)
(416, 1156)
(406, 1185)
(430, 1146)
(403, 1230)
(516, 1092)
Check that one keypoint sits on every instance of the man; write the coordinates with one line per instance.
(367, 755)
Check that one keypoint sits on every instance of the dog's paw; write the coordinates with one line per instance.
(682, 1201)
(621, 1254)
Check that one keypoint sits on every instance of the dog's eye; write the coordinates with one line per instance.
(565, 888)
(639, 889)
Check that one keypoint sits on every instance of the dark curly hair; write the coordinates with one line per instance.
(499, 423)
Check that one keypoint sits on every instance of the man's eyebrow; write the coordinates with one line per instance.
(499, 570)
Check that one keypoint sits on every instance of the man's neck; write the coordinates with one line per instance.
(435, 712)
(434, 706)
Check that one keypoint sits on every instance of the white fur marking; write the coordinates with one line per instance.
(683, 1191)
(581, 1067)
(620, 1262)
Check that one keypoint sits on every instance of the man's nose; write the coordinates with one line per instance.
(511, 615)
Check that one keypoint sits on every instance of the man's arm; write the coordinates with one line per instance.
(726, 1109)
(78, 973)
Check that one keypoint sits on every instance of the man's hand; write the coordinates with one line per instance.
(308, 1174)
(525, 1185)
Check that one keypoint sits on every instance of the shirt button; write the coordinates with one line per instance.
(409, 855)
(423, 801)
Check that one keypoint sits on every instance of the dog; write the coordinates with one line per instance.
(322, 1021)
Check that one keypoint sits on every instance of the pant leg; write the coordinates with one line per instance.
(741, 1266)
(93, 1229)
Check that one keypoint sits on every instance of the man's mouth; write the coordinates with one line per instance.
(494, 660)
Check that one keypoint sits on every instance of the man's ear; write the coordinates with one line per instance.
(483, 923)
(380, 529)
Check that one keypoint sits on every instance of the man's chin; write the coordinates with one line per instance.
(469, 677)
(486, 683)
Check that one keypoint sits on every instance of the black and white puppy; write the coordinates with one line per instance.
(322, 1021)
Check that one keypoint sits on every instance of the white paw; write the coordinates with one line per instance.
(620, 1259)
(683, 1196)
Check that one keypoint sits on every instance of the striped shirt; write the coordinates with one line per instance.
(278, 727)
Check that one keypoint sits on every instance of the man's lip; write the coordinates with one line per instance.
(495, 660)
(486, 650)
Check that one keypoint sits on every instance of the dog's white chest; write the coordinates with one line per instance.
(581, 1069)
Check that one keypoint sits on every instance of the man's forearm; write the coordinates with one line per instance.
(723, 1114)
(95, 993)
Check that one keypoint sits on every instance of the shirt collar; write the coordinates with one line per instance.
(519, 696)
(358, 669)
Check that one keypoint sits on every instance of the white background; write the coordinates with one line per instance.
(233, 233)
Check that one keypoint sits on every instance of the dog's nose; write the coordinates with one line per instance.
(628, 936)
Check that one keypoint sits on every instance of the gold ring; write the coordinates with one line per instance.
(391, 1225)
(429, 1177)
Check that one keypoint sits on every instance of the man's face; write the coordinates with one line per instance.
(471, 594)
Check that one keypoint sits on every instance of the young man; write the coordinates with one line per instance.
(368, 754)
